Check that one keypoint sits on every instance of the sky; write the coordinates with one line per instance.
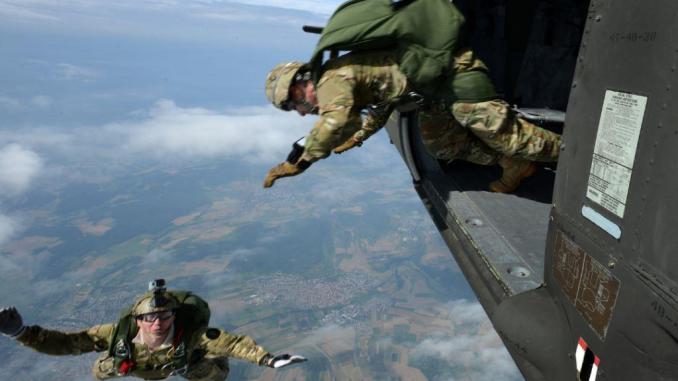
(89, 89)
(117, 82)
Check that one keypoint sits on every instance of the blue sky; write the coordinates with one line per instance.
(154, 80)
(101, 59)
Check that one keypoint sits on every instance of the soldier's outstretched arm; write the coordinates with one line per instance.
(218, 342)
(54, 342)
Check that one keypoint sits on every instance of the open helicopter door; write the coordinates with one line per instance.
(581, 283)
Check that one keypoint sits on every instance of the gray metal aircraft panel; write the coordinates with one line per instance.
(507, 232)
(625, 303)
(494, 222)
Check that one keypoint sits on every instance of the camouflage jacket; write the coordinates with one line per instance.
(149, 364)
(363, 81)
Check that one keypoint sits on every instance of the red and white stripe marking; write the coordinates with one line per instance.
(582, 347)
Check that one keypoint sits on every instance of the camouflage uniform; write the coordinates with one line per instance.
(209, 357)
(477, 132)
(348, 85)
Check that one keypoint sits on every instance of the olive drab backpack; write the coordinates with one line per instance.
(193, 315)
(424, 34)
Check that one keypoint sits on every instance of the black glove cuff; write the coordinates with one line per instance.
(267, 361)
(303, 164)
(18, 333)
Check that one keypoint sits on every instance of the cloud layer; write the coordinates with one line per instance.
(254, 134)
(473, 345)
(8, 227)
(164, 132)
(18, 167)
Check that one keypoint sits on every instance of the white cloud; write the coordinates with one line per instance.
(339, 337)
(474, 346)
(18, 167)
(157, 256)
(75, 73)
(253, 134)
(171, 133)
(8, 228)
(465, 312)
(63, 71)
(165, 132)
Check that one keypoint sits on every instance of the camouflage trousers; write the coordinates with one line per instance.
(483, 132)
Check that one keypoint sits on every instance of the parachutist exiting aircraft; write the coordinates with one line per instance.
(577, 270)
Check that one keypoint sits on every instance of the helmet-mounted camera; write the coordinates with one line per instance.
(158, 288)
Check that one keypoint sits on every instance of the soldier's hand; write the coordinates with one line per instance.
(284, 169)
(278, 361)
(11, 323)
(350, 143)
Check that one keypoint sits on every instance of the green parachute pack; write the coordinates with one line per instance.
(424, 34)
(192, 315)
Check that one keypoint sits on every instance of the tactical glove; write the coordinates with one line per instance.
(350, 143)
(284, 169)
(11, 323)
(278, 361)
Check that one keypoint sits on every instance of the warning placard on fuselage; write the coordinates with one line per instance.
(618, 131)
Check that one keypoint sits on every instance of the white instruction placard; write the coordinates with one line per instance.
(618, 131)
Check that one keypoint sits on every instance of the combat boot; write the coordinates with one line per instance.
(515, 170)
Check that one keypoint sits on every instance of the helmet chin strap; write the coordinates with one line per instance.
(308, 107)
(311, 108)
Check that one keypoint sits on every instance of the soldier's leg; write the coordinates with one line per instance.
(446, 140)
(502, 130)
(442, 136)
(477, 152)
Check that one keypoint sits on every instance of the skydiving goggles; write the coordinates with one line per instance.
(153, 316)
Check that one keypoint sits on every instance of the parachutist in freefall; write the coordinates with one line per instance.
(164, 333)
